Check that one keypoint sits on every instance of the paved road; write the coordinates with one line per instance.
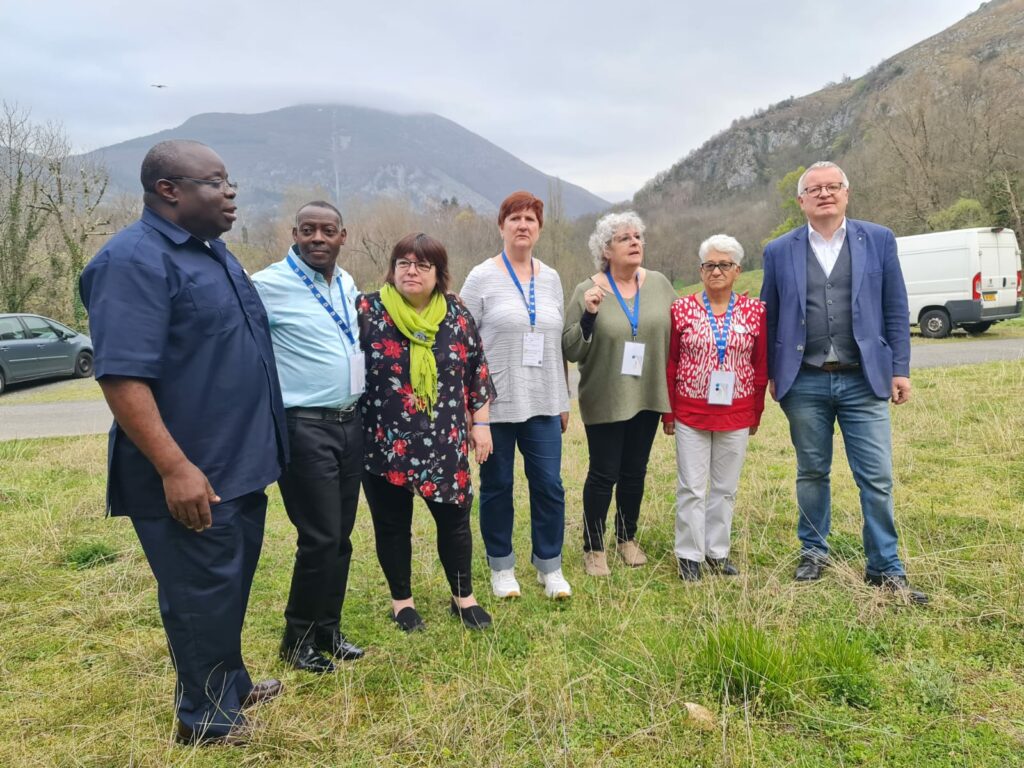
(92, 417)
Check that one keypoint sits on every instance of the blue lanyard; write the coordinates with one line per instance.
(721, 334)
(634, 316)
(343, 324)
(531, 305)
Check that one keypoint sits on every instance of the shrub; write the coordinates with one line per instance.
(90, 554)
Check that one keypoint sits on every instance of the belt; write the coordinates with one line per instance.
(833, 367)
(323, 414)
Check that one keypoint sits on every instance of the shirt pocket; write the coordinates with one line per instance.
(216, 307)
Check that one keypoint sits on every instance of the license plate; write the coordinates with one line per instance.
(989, 296)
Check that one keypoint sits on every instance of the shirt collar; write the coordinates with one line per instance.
(169, 229)
(308, 271)
(817, 237)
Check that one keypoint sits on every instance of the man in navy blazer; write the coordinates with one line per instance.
(838, 350)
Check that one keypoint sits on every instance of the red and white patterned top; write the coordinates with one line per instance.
(693, 356)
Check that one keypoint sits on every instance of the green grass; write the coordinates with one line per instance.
(34, 393)
(824, 674)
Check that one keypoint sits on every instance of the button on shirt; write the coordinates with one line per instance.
(312, 350)
(827, 251)
(182, 315)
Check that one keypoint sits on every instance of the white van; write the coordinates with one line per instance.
(967, 278)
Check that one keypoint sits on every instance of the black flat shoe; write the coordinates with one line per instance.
(473, 617)
(899, 585)
(340, 648)
(408, 620)
(810, 567)
(722, 566)
(689, 570)
(306, 658)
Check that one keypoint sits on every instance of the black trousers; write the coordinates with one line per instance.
(391, 510)
(320, 488)
(619, 452)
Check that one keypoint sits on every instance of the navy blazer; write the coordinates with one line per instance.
(881, 317)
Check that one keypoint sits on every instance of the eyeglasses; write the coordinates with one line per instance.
(832, 189)
(629, 236)
(403, 265)
(711, 266)
(218, 183)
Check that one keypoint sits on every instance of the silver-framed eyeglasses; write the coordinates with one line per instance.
(723, 266)
(404, 265)
(832, 189)
(218, 183)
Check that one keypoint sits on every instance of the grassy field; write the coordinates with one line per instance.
(60, 391)
(824, 674)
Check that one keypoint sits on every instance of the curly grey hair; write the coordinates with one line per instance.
(605, 230)
(724, 244)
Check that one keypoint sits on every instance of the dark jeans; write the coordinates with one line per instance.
(540, 442)
(320, 488)
(203, 581)
(618, 457)
(391, 510)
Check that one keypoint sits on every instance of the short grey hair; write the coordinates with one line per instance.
(726, 244)
(605, 230)
(816, 166)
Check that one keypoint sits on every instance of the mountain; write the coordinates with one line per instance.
(931, 124)
(352, 152)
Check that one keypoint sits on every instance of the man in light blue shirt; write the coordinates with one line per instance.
(310, 303)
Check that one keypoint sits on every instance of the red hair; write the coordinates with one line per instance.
(521, 201)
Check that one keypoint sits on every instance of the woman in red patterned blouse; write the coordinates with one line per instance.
(717, 375)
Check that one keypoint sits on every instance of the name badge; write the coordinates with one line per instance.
(533, 349)
(356, 373)
(720, 387)
(632, 358)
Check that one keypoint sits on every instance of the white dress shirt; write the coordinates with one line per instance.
(827, 251)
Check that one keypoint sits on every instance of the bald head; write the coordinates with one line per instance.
(166, 159)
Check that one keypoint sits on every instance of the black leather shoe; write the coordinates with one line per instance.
(473, 617)
(689, 570)
(722, 566)
(898, 584)
(307, 658)
(340, 648)
(810, 568)
(237, 736)
(265, 690)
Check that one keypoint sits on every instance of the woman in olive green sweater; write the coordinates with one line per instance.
(617, 329)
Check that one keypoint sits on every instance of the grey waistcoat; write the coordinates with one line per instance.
(830, 309)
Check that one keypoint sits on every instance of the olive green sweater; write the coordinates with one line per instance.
(606, 395)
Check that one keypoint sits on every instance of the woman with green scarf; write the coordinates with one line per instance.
(425, 373)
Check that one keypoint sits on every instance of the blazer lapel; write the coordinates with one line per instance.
(858, 257)
(798, 256)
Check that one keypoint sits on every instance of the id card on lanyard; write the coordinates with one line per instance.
(533, 342)
(722, 383)
(356, 360)
(632, 351)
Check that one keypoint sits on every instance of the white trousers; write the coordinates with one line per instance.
(709, 466)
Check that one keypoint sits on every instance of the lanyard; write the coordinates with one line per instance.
(531, 305)
(343, 324)
(721, 334)
(634, 316)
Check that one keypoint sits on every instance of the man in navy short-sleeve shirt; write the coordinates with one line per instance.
(184, 358)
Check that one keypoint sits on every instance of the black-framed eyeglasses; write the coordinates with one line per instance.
(218, 183)
(832, 189)
(722, 266)
(403, 265)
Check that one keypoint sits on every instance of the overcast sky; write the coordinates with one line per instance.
(602, 94)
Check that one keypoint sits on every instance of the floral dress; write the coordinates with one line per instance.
(430, 457)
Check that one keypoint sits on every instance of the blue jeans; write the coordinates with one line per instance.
(540, 442)
(815, 402)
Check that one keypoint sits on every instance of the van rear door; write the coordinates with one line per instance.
(999, 265)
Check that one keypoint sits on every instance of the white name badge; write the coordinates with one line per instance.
(720, 387)
(632, 358)
(356, 373)
(533, 349)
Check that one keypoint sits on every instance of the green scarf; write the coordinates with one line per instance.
(419, 329)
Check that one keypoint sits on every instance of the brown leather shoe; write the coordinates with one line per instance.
(265, 690)
(237, 736)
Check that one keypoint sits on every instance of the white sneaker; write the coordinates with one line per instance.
(504, 584)
(555, 585)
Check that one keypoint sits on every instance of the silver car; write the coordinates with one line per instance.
(34, 347)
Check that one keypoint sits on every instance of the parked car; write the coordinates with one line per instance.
(966, 278)
(34, 347)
